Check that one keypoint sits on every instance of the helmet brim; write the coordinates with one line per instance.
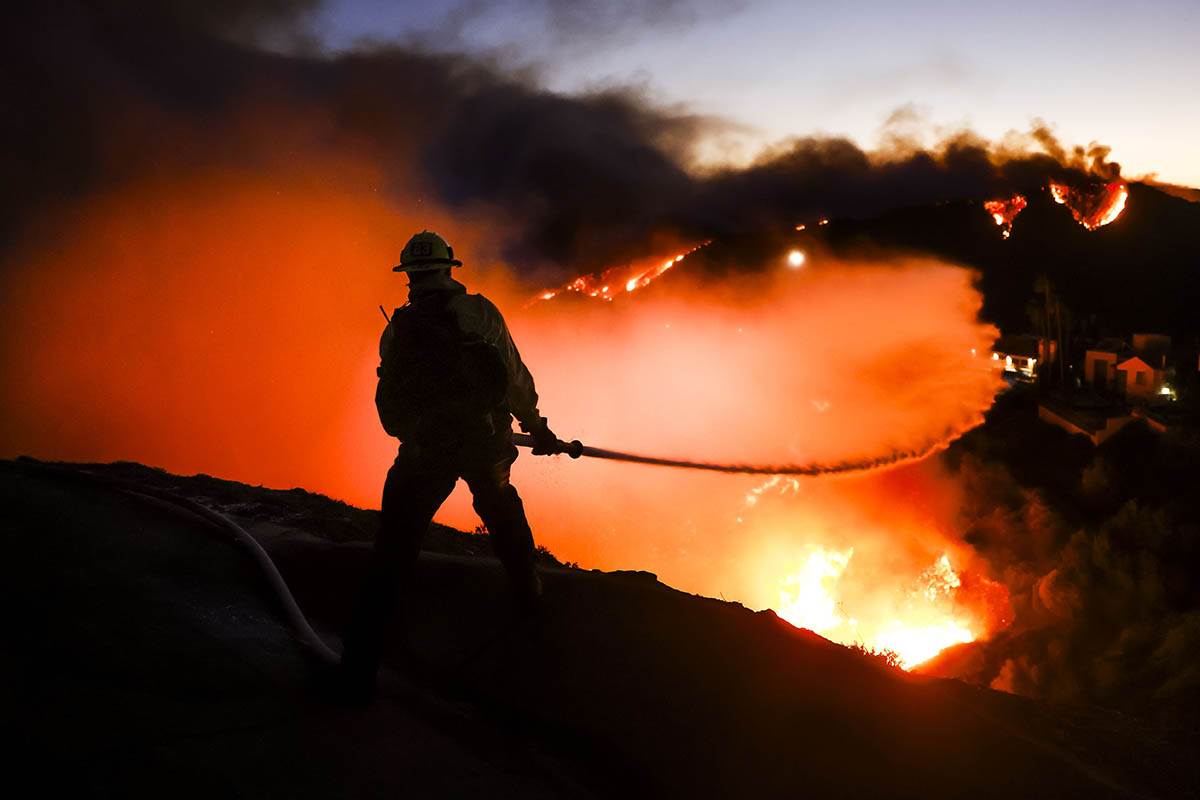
(425, 265)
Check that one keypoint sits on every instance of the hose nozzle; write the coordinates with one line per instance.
(574, 448)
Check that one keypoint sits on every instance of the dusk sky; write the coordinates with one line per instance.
(1120, 73)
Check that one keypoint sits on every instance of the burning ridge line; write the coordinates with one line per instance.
(611, 284)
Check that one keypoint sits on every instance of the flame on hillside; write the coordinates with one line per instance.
(1005, 211)
(1095, 208)
(617, 281)
(918, 624)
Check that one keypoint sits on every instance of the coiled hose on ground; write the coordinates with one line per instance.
(236, 535)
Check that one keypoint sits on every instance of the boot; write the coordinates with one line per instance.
(527, 594)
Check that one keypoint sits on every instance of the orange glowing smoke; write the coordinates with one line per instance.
(216, 323)
(227, 323)
(1005, 211)
(839, 360)
(1092, 209)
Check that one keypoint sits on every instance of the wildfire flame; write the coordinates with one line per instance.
(611, 283)
(1005, 211)
(1092, 209)
(925, 623)
(806, 600)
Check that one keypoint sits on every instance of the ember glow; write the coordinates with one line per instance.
(916, 645)
(1092, 209)
(1005, 211)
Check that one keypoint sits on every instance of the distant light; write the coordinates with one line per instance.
(795, 259)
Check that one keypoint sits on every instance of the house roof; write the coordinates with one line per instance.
(1133, 364)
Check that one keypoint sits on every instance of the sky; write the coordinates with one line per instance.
(1121, 73)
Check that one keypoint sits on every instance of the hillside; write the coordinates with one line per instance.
(1134, 274)
(149, 659)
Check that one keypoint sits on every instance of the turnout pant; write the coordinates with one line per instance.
(417, 484)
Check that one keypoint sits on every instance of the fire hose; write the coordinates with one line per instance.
(575, 449)
(234, 534)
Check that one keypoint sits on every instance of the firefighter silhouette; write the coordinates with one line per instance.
(450, 382)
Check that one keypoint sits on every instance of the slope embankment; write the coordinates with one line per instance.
(148, 656)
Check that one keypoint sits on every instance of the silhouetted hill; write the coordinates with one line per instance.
(149, 660)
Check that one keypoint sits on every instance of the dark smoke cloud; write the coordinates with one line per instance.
(99, 94)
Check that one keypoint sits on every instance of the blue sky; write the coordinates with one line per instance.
(1126, 74)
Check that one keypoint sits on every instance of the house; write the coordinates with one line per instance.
(1100, 364)
(1130, 382)
(1138, 371)
(1142, 380)
(1020, 354)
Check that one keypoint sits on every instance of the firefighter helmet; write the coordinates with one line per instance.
(425, 251)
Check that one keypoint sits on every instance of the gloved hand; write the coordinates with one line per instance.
(545, 443)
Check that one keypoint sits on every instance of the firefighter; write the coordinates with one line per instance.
(450, 382)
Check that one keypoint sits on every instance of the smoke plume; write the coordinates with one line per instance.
(102, 95)
(1099, 556)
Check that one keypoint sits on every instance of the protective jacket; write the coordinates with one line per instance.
(478, 316)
